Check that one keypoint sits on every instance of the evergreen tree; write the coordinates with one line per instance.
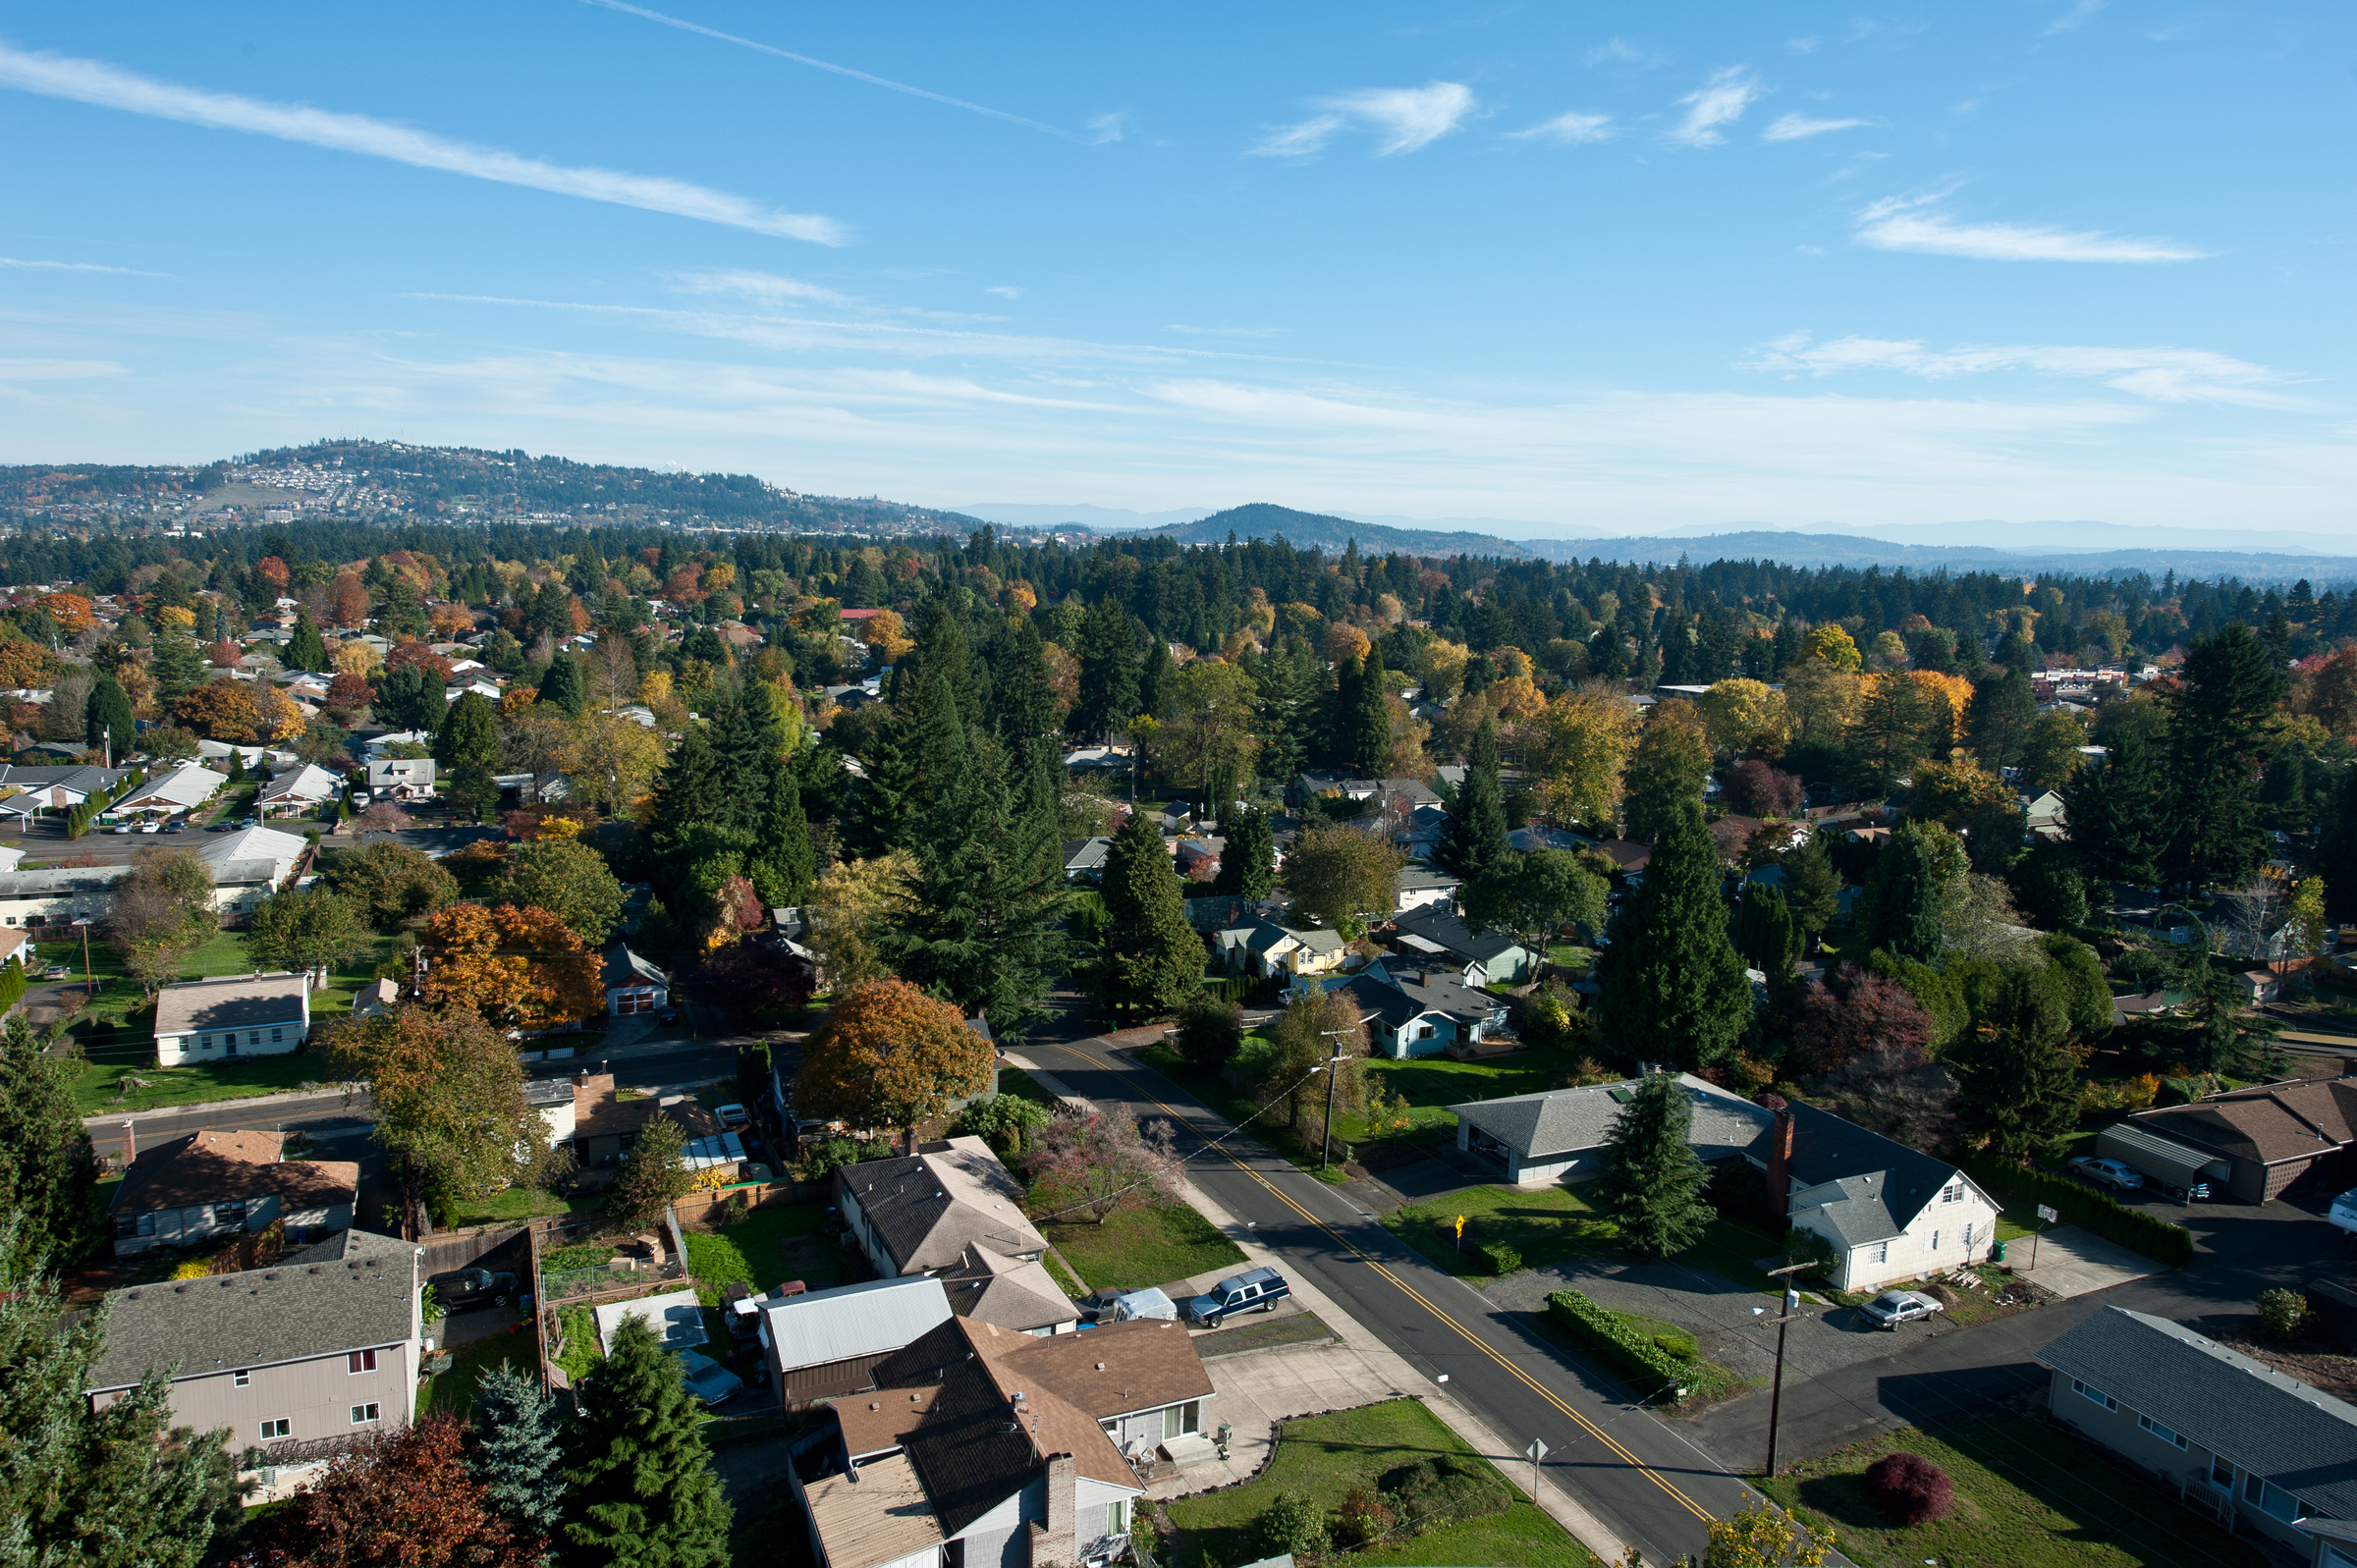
(979, 922)
(688, 792)
(562, 686)
(942, 651)
(929, 754)
(1812, 886)
(1673, 991)
(1358, 727)
(2222, 727)
(2118, 813)
(639, 1487)
(109, 718)
(2337, 846)
(2000, 718)
(1474, 840)
(749, 736)
(1248, 862)
(1028, 725)
(1652, 1178)
(237, 766)
(1665, 774)
(473, 788)
(409, 697)
(1157, 956)
(48, 1172)
(1764, 931)
(1107, 700)
(786, 864)
(2015, 1083)
(1283, 683)
(118, 1487)
(469, 732)
(178, 664)
(1154, 677)
(517, 1450)
(1907, 898)
(307, 649)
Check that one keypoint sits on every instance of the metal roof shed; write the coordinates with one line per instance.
(2165, 1159)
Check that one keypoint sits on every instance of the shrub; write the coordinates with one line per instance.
(1209, 1032)
(2282, 1313)
(1445, 1490)
(1910, 1489)
(2157, 1239)
(1612, 1337)
(821, 1156)
(1363, 1519)
(1683, 1347)
(1295, 1524)
(1503, 1260)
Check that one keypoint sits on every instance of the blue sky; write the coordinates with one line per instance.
(1575, 264)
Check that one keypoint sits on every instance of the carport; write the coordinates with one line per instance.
(2163, 1160)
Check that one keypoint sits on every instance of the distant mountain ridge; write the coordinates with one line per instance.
(1316, 530)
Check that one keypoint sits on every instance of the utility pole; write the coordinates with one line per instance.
(1775, 1398)
(1333, 1072)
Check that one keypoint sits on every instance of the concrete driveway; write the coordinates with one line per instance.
(2072, 1261)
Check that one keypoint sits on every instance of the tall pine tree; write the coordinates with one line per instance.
(2118, 813)
(1359, 726)
(1907, 898)
(307, 649)
(1673, 990)
(1106, 700)
(1665, 774)
(1157, 958)
(785, 864)
(518, 1449)
(1473, 841)
(942, 651)
(1652, 1177)
(2014, 1082)
(1248, 860)
(2221, 729)
(639, 1487)
(1283, 676)
(48, 1172)
(1998, 718)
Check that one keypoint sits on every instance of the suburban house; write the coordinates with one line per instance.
(401, 778)
(168, 793)
(981, 1447)
(954, 1211)
(250, 864)
(1270, 948)
(59, 789)
(306, 788)
(1423, 887)
(1412, 1011)
(2043, 813)
(384, 743)
(301, 1359)
(2269, 1136)
(204, 1186)
(556, 1102)
(1891, 1213)
(1419, 834)
(1501, 958)
(1559, 1134)
(57, 897)
(377, 995)
(233, 1015)
(1084, 859)
(605, 1124)
(633, 985)
(2261, 1452)
(826, 1344)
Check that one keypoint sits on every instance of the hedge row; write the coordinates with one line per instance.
(11, 984)
(1609, 1335)
(2083, 1206)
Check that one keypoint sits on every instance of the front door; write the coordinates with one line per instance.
(231, 1038)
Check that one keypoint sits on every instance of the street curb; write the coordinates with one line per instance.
(116, 1119)
(1559, 1504)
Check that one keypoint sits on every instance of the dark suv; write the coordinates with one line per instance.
(464, 1289)
(1255, 1289)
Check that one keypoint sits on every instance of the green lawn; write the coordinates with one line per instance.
(516, 1205)
(1326, 1456)
(1141, 1247)
(1021, 1084)
(453, 1390)
(749, 1250)
(1570, 955)
(1544, 1225)
(2027, 1496)
(99, 1088)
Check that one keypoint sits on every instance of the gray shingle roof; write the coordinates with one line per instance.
(1884, 1185)
(1565, 1121)
(1436, 923)
(2299, 1439)
(231, 1001)
(293, 1312)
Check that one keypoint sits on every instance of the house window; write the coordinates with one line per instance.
(2159, 1431)
(232, 1212)
(1117, 1517)
(204, 1041)
(131, 1226)
(238, 1380)
(359, 1361)
(2096, 1394)
(253, 1037)
(2274, 1500)
(1424, 1033)
(277, 1035)
(1953, 1192)
(2221, 1473)
(362, 1415)
(1880, 1251)
(1180, 1420)
(277, 1426)
(1935, 1246)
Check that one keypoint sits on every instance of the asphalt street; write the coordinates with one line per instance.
(1642, 1477)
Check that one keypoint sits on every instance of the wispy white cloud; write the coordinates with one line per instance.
(1795, 127)
(1576, 125)
(1225, 332)
(2078, 16)
(1906, 223)
(58, 369)
(1802, 45)
(2163, 375)
(77, 266)
(1105, 127)
(1621, 52)
(108, 87)
(1403, 119)
(886, 83)
(1006, 291)
(1720, 101)
(743, 284)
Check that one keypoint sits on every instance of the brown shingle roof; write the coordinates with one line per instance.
(206, 1167)
(1145, 1364)
(597, 1114)
(873, 1422)
(2270, 1124)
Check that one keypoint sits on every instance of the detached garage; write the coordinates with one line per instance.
(2163, 1159)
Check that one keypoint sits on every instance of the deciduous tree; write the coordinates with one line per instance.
(392, 883)
(1103, 1162)
(1582, 746)
(400, 1499)
(570, 881)
(1343, 876)
(849, 913)
(307, 929)
(890, 1056)
(516, 968)
(1206, 739)
(163, 911)
(1533, 897)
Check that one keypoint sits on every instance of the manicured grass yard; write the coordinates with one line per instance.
(1326, 1456)
(1544, 1225)
(453, 1390)
(749, 1250)
(99, 1088)
(1141, 1247)
(516, 1204)
(2027, 1496)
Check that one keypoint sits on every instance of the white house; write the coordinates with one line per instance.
(57, 897)
(402, 777)
(308, 788)
(235, 1015)
(249, 865)
(376, 746)
(1891, 1212)
(169, 792)
(1561, 1134)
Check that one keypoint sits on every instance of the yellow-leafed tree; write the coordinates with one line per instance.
(518, 968)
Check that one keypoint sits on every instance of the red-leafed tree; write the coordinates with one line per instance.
(1910, 1489)
(1857, 1012)
(1756, 789)
(421, 655)
(891, 1056)
(349, 693)
(401, 1500)
(753, 975)
(226, 655)
(1103, 1162)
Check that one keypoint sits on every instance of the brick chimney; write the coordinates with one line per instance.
(130, 1142)
(1056, 1539)
(1780, 1162)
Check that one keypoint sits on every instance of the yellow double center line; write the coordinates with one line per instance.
(1418, 1296)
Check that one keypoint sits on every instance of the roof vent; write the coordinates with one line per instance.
(1099, 1366)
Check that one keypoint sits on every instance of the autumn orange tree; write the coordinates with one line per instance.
(218, 710)
(889, 1055)
(518, 968)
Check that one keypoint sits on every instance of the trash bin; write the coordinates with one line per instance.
(1998, 1256)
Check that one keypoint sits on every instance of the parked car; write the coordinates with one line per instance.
(1894, 1307)
(151, 826)
(56, 971)
(708, 1379)
(176, 827)
(669, 1015)
(732, 1117)
(2198, 1192)
(223, 825)
(1260, 1289)
(121, 827)
(464, 1289)
(361, 799)
(2106, 1173)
